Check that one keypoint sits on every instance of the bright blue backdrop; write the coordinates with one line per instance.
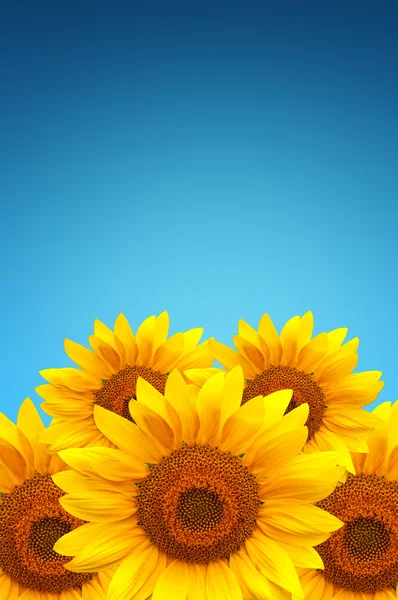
(215, 159)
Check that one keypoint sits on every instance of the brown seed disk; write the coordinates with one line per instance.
(304, 389)
(31, 521)
(199, 504)
(362, 556)
(117, 391)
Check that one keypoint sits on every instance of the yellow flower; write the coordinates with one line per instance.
(109, 373)
(32, 519)
(318, 370)
(202, 498)
(361, 559)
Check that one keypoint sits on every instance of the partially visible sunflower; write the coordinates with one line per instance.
(318, 370)
(203, 498)
(109, 373)
(32, 520)
(361, 559)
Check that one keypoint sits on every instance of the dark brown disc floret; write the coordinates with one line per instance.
(199, 504)
(362, 556)
(117, 391)
(31, 521)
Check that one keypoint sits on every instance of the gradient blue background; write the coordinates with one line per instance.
(215, 160)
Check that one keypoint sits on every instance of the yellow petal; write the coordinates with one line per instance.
(63, 434)
(181, 398)
(297, 517)
(124, 333)
(288, 338)
(161, 330)
(79, 381)
(312, 353)
(99, 545)
(166, 356)
(99, 506)
(173, 582)
(134, 571)
(73, 482)
(268, 332)
(197, 581)
(251, 581)
(200, 376)
(251, 353)
(240, 428)
(277, 451)
(126, 435)
(87, 360)
(221, 583)
(29, 421)
(233, 390)
(273, 562)
(208, 405)
(109, 463)
(306, 558)
(144, 338)
(153, 424)
(106, 352)
(150, 397)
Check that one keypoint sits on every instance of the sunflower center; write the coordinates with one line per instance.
(304, 389)
(363, 555)
(366, 538)
(31, 521)
(199, 508)
(117, 391)
(199, 504)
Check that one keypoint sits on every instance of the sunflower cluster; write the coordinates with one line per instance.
(164, 477)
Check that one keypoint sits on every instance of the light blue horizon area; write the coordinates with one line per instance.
(217, 162)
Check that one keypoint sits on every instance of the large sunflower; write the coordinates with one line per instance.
(32, 519)
(109, 373)
(361, 559)
(318, 370)
(202, 498)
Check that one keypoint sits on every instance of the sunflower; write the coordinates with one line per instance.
(32, 519)
(361, 559)
(318, 370)
(202, 497)
(109, 373)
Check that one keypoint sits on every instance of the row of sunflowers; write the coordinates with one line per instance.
(161, 476)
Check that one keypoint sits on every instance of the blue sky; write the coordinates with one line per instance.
(218, 160)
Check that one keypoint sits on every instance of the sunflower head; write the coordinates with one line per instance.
(108, 376)
(204, 494)
(361, 559)
(32, 519)
(318, 370)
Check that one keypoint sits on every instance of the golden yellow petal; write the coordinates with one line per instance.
(87, 360)
(144, 339)
(126, 435)
(289, 339)
(251, 581)
(173, 582)
(273, 562)
(108, 463)
(154, 425)
(134, 571)
(180, 396)
(221, 583)
(99, 506)
(240, 428)
(73, 379)
(268, 332)
(160, 330)
(124, 333)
